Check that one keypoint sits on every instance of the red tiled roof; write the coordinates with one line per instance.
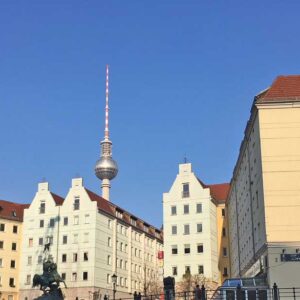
(58, 199)
(284, 88)
(102, 203)
(12, 211)
(219, 191)
(110, 208)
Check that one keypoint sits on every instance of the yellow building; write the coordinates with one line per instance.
(11, 217)
(264, 198)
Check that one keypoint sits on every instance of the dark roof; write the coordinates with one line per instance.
(12, 211)
(218, 191)
(111, 208)
(58, 199)
(283, 89)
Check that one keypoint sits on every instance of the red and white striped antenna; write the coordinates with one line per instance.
(106, 131)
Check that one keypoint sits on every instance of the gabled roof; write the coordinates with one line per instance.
(12, 211)
(283, 89)
(58, 199)
(111, 208)
(217, 191)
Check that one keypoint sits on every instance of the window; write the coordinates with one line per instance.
(41, 241)
(14, 246)
(185, 190)
(187, 249)
(173, 210)
(174, 249)
(187, 269)
(109, 223)
(29, 260)
(40, 259)
(86, 237)
(2, 227)
(108, 278)
(108, 259)
(225, 272)
(42, 207)
(174, 229)
(75, 238)
(199, 208)
(74, 276)
(174, 271)
(186, 229)
(224, 251)
(85, 256)
(223, 212)
(12, 264)
(75, 256)
(257, 200)
(66, 221)
(64, 258)
(109, 242)
(76, 220)
(1, 262)
(11, 282)
(223, 231)
(15, 229)
(42, 223)
(186, 209)
(51, 224)
(85, 276)
(50, 239)
(87, 219)
(63, 276)
(199, 227)
(200, 269)
(65, 239)
(1, 244)
(76, 203)
(28, 279)
(133, 221)
(200, 248)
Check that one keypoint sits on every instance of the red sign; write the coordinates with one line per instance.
(160, 255)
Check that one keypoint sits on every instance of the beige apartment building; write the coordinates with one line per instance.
(11, 217)
(195, 238)
(264, 198)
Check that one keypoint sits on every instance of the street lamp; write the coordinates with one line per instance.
(114, 281)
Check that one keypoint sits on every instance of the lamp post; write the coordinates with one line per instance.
(114, 281)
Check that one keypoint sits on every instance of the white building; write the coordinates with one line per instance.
(91, 239)
(190, 218)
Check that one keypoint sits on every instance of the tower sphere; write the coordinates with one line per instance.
(106, 168)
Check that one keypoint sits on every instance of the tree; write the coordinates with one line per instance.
(189, 282)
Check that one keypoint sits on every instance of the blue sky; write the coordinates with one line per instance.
(183, 77)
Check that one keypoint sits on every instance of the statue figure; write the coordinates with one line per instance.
(50, 279)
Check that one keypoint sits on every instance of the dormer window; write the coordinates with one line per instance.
(76, 203)
(185, 190)
(146, 228)
(119, 214)
(133, 221)
(42, 207)
(13, 213)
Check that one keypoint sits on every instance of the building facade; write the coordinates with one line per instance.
(263, 202)
(91, 239)
(193, 225)
(11, 217)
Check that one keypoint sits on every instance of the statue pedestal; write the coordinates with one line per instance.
(52, 295)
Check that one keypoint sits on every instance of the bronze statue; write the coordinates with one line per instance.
(50, 279)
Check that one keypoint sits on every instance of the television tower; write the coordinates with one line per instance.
(106, 168)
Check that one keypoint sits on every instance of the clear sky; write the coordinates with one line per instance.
(183, 75)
